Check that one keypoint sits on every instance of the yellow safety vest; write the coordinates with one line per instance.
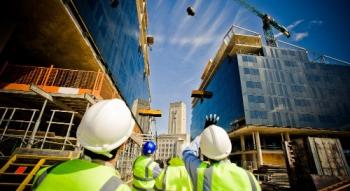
(174, 177)
(78, 175)
(225, 175)
(143, 173)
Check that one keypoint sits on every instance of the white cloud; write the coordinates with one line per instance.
(296, 23)
(317, 22)
(211, 32)
(193, 41)
(300, 36)
(190, 41)
(201, 24)
(158, 38)
(290, 27)
(189, 80)
(242, 17)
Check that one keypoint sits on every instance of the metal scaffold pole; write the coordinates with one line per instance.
(36, 126)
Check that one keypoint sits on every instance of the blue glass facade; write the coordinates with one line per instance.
(226, 101)
(115, 30)
(282, 88)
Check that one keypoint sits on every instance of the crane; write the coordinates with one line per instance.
(268, 23)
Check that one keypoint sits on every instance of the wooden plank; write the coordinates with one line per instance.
(330, 155)
(324, 162)
(342, 157)
(315, 155)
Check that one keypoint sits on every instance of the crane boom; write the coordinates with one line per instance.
(251, 8)
(268, 21)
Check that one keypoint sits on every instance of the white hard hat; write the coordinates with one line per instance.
(105, 126)
(215, 143)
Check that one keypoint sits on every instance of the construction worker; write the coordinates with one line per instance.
(103, 129)
(145, 170)
(218, 173)
(174, 177)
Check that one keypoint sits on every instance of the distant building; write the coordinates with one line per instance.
(170, 145)
(177, 118)
(265, 95)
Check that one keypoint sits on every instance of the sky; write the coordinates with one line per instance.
(184, 44)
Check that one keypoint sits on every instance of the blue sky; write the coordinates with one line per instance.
(184, 44)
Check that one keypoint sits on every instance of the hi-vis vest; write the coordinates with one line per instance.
(143, 173)
(225, 175)
(174, 177)
(78, 175)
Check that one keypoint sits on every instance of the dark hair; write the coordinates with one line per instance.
(93, 155)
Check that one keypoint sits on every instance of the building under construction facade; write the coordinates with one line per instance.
(56, 59)
(266, 95)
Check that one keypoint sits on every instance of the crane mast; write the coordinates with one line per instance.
(268, 23)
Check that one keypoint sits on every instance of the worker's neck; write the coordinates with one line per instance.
(110, 163)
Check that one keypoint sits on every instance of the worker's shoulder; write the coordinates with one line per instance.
(75, 163)
(238, 168)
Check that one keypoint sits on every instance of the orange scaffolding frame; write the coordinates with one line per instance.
(56, 80)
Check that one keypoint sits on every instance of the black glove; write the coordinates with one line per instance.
(211, 119)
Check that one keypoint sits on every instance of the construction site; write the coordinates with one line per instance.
(59, 57)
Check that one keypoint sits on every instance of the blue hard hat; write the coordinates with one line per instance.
(149, 148)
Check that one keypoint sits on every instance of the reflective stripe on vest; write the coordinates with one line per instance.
(208, 175)
(147, 168)
(143, 173)
(200, 172)
(252, 183)
(112, 184)
(137, 177)
(162, 178)
(223, 176)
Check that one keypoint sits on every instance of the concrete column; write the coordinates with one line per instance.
(287, 138)
(244, 164)
(258, 149)
(255, 166)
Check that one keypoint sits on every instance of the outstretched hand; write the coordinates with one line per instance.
(211, 119)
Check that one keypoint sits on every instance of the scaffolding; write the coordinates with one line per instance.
(44, 122)
(55, 133)
(17, 124)
(128, 154)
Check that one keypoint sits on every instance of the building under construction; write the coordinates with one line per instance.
(56, 59)
(266, 95)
